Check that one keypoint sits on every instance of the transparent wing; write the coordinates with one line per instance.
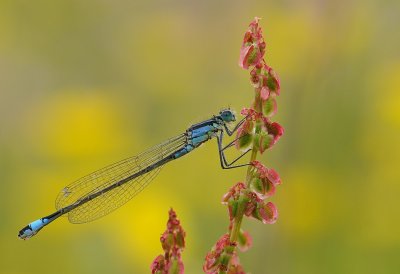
(98, 180)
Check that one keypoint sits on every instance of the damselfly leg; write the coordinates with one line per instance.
(221, 149)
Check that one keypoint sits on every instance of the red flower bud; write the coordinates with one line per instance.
(249, 56)
(233, 192)
(264, 180)
(252, 204)
(251, 114)
(213, 258)
(235, 199)
(262, 171)
(274, 131)
(247, 39)
(244, 135)
(268, 213)
(258, 209)
(158, 265)
(253, 46)
(272, 81)
(263, 141)
(263, 187)
(244, 241)
(254, 78)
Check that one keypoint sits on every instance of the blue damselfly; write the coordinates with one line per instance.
(103, 191)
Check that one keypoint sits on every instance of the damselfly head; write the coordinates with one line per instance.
(227, 115)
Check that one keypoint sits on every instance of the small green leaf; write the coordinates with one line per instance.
(269, 107)
(257, 185)
(265, 141)
(245, 141)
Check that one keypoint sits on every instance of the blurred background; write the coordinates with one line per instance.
(87, 83)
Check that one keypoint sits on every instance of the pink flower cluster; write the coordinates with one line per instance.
(248, 201)
(262, 76)
(265, 138)
(253, 46)
(267, 86)
(223, 257)
(264, 180)
(252, 199)
(173, 242)
(257, 133)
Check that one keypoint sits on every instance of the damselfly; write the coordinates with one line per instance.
(103, 191)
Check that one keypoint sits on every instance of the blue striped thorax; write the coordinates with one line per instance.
(200, 133)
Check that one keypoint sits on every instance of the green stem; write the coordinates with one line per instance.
(237, 223)
(252, 158)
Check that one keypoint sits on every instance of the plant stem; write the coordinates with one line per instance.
(237, 223)
(252, 158)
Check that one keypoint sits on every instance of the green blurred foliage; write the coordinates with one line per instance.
(87, 83)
